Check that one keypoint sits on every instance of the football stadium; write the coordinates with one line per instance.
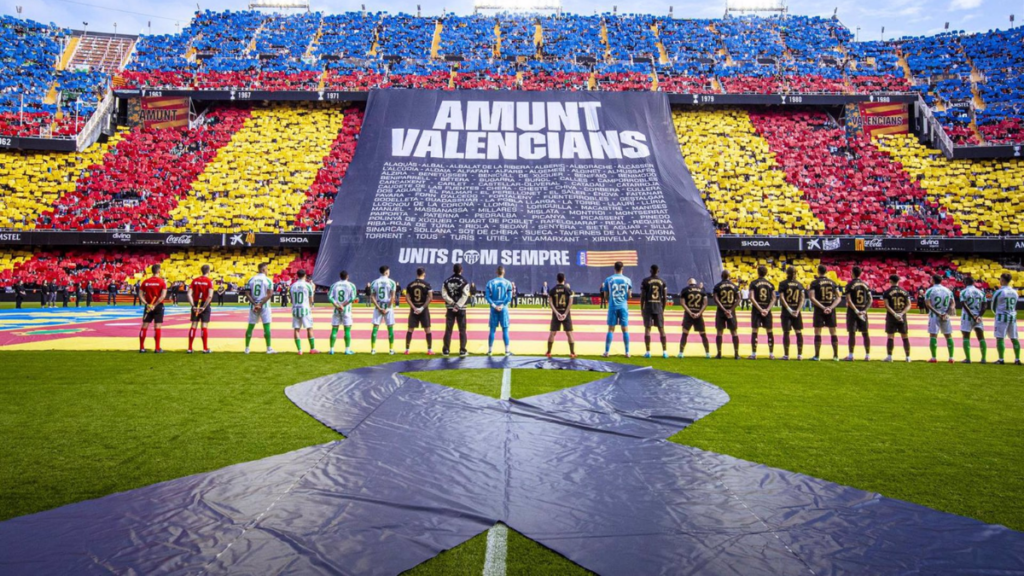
(511, 288)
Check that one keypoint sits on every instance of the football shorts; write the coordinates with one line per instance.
(691, 323)
(498, 319)
(618, 316)
(936, 325)
(854, 323)
(969, 325)
(262, 317)
(791, 322)
(722, 322)
(421, 320)
(757, 321)
(1007, 329)
(388, 317)
(341, 317)
(203, 316)
(154, 316)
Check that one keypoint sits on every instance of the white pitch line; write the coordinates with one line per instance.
(506, 384)
(497, 536)
(497, 550)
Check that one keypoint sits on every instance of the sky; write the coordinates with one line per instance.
(899, 17)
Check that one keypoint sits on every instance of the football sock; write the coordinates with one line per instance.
(933, 345)
(504, 337)
(191, 337)
(490, 339)
(156, 336)
(771, 343)
(298, 344)
(248, 334)
(1000, 347)
(572, 347)
(984, 348)
(647, 341)
(682, 341)
(1016, 349)
(430, 341)
(664, 343)
(949, 345)
(348, 337)
(852, 342)
(312, 343)
(625, 341)
(800, 344)
(608, 342)
(334, 336)
(817, 346)
(266, 334)
(206, 338)
(735, 345)
(835, 346)
(373, 337)
(889, 345)
(785, 343)
(718, 344)
(967, 347)
(551, 342)
(867, 344)
(906, 345)
(707, 345)
(408, 339)
(142, 340)
(753, 343)
(391, 337)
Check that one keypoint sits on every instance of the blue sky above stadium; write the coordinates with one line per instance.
(899, 17)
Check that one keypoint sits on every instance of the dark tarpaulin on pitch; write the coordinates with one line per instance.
(584, 471)
(348, 242)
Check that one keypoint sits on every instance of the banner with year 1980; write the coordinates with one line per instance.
(539, 182)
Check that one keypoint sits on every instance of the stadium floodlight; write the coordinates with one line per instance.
(279, 4)
(742, 6)
(518, 5)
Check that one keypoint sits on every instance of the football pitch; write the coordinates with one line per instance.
(77, 425)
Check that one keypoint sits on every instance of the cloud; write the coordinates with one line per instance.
(965, 4)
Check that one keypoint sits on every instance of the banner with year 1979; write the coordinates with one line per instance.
(539, 182)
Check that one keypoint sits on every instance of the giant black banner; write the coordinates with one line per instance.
(540, 182)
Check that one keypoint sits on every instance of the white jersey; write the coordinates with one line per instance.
(302, 298)
(1004, 304)
(940, 298)
(342, 291)
(259, 286)
(384, 288)
(972, 300)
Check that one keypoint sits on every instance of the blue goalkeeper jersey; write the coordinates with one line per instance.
(498, 292)
(618, 287)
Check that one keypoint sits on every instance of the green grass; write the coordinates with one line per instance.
(79, 425)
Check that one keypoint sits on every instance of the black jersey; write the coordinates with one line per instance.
(762, 292)
(652, 294)
(419, 293)
(825, 291)
(457, 289)
(728, 294)
(791, 292)
(860, 295)
(561, 298)
(897, 298)
(692, 298)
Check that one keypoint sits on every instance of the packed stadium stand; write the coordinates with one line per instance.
(227, 266)
(258, 181)
(277, 167)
